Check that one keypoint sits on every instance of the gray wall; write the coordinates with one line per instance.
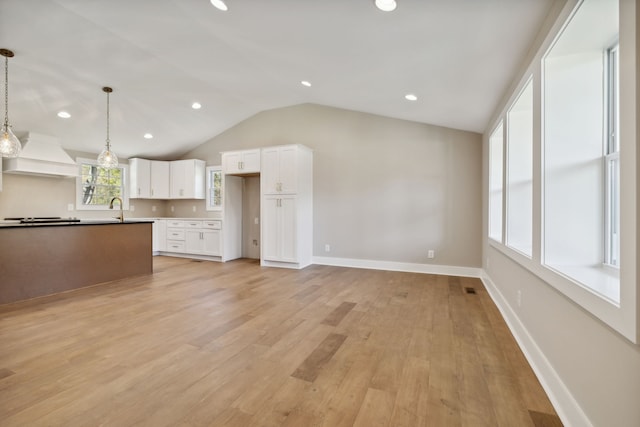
(384, 189)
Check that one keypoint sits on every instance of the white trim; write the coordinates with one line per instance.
(448, 270)
(563, 401)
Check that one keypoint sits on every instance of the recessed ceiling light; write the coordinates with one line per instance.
(305, 83)
(64, 115)
(148, 136)
(386, 5)
(196, 106)
(219, 4)
(411, 97)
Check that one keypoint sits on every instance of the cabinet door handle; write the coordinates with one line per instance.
(138, 191)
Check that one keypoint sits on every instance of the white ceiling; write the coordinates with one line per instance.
(457, 56)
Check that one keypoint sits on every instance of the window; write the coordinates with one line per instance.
(496, 151)
(581, 168)
(519, 195)
(96, 186)
(214, 188)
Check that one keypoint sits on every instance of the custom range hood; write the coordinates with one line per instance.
(41, 155)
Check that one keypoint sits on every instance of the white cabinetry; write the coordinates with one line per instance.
(187, 179)
(194, 237)
(159, 242)
(279, 225)
(241, 162)
(287, 206)
(148, 179)
(159, 179)
(280, 170)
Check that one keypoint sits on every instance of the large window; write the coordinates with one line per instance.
(581, 176)
(496, 151)
(96, 186)
(520, 172)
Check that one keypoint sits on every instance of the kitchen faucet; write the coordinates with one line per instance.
(121, 216)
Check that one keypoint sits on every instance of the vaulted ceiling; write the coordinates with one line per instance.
(160, 56)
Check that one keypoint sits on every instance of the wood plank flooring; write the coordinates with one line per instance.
(234, 344)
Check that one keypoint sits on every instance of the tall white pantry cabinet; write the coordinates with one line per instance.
(286, 206)
(286, 188)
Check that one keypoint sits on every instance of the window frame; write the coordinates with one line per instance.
(612, 158)
(80, 161)
(498, 130)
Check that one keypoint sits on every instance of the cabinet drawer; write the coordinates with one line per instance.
(174, 223)
(216, 225)
(175, 246)
(175, 234)
(193, 224)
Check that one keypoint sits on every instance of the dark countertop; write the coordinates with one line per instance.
(17, 224)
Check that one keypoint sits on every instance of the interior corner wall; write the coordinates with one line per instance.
(384, 189)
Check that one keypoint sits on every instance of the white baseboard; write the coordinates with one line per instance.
(563, 401)
(449, 270)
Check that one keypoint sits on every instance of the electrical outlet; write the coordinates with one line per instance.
(256, 221)
(132, 208)
(194, 208)
(519, 298)
(255, 242)
(153, 208)
(173, 208)
(327, 248)
(70, 207)
(431, 254)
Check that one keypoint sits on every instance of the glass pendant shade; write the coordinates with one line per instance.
(9, 144)
(107, 158)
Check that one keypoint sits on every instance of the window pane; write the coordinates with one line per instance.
(520, 172)
(496, 149)
(575, 141)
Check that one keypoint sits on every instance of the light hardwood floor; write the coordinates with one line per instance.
(234, 344)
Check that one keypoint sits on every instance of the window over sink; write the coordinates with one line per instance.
(96, 186)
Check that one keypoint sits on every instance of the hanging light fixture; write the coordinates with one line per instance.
(107, 158)
(9, 145)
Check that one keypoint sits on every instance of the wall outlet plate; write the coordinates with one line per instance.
(431, 254)
(327, 248)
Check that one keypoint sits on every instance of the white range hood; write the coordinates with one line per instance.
(41, 155)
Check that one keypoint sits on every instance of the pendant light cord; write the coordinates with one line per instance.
(108, 142)
(6, 92)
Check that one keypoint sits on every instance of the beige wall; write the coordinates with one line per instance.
(384, 189)
(591, 368)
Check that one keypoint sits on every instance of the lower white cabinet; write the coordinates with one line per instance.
(189, 237)
(279, 236)
(159, 241)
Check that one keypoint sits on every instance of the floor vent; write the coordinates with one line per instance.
(469, 291)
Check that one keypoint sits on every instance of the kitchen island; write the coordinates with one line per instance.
(45, 259)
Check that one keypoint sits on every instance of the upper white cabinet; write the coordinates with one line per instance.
(159, 179)
(140, 178)
(280, 169)
(149, 179)
(187, 179)
(241, 162)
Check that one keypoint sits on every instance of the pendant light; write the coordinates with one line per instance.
(107, 158)
(9, 145)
